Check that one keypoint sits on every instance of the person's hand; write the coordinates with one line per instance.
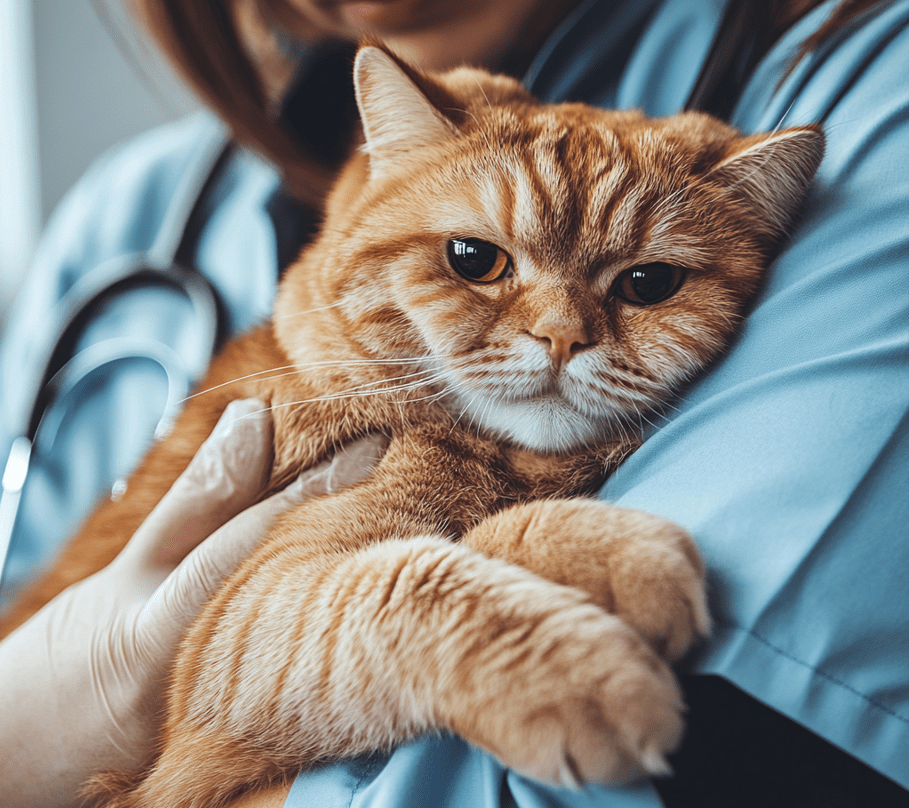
(82, 682)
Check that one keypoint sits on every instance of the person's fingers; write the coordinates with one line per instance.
(226, 476)
(234, 462)
(354, 462)
(225, 549)
(176, 602)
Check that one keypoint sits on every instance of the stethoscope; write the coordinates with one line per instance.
(168, 264)
(63, 376)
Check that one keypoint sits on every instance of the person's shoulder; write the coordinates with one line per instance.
(136, 178)
(115, 208)
(119, 203)
(159, 152)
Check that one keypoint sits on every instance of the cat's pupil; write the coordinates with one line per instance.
(653, 282)
(477, 260)
(649, 283)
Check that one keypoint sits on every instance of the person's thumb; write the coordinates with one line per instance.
(226, 475)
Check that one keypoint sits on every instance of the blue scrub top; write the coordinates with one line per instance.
(788, 461)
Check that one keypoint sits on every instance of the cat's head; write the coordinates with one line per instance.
(561, 269)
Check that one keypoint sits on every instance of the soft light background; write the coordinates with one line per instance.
(75, 78)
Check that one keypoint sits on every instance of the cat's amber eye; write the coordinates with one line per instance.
(478, 261)
(649, 283)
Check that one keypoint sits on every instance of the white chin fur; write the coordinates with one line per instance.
(544, 425)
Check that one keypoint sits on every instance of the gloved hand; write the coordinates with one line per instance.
(82, 682)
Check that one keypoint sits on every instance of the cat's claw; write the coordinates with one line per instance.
(607, 710)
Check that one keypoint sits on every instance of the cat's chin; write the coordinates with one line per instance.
(542, 424)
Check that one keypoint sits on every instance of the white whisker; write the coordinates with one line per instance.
(783, 117)
(485, 97)
(292, 370)
(480, 129)
(295, 314)
(464, 409)
(345, 395)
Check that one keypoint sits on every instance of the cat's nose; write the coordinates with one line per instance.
(562, 340)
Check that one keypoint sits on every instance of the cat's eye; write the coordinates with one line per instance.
(649, 283)
(478, 261)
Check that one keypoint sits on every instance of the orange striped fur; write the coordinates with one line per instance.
(543, 634)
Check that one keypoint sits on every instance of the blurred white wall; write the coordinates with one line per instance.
(19, 194)
(75, 78)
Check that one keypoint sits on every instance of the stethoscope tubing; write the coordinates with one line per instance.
(167, 264)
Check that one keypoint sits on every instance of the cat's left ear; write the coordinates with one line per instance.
(771, 173)
(396, 114)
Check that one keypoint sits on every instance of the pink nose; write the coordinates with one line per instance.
(561, 340)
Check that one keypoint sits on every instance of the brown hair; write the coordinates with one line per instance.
(785, 13)
(229, 53)
(224, 50)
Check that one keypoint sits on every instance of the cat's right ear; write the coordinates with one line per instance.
(397, 116)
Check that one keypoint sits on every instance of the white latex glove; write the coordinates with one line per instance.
(82, 682)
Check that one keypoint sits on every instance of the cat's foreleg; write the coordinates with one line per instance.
(362, 650)
(638, 566)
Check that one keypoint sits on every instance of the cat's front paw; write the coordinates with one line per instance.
(640, 567)
(588, 702)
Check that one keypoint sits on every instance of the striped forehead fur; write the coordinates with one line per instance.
(581, 185)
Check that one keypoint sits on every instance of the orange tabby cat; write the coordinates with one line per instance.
(504, 288)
